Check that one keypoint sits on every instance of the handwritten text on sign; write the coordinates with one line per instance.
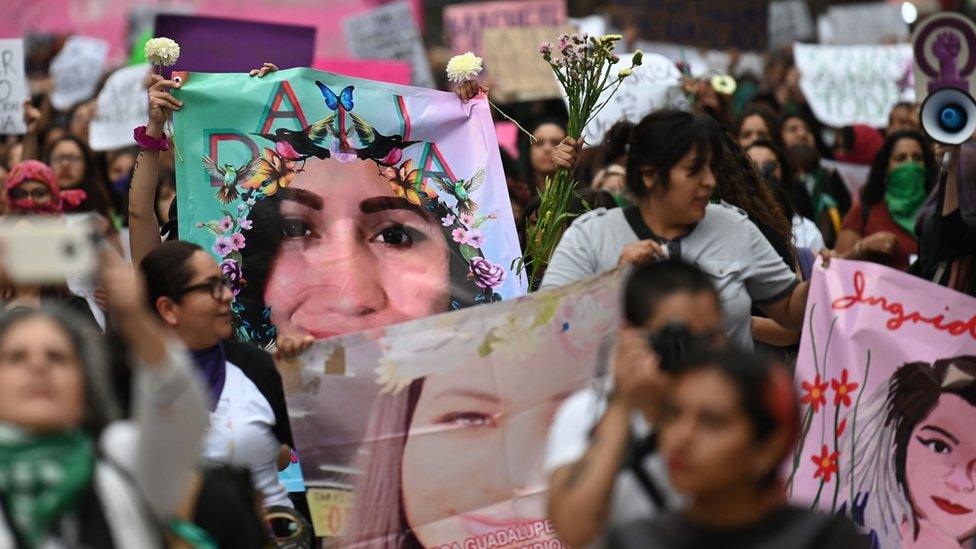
(13, 86)
(854, 84)
(465, 23)
(76, 70)
(122, 105)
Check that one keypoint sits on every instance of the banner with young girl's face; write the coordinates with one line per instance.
(887, 378)
(432, 433)
(336, 204)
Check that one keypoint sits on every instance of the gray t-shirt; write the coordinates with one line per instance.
(742, 264)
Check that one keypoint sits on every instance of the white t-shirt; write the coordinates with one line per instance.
(806, 234)
(569, 438)
(240, 434)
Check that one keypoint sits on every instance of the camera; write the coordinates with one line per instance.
(671, 343)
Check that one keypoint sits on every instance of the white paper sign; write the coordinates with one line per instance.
(648, 89)
(868, 23)
(13, 86)
(122, 105)
(390, 32)
(847, 85)
(789, 21)
(76, 70)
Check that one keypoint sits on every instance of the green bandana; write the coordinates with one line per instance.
(905, 194)
(41, 477)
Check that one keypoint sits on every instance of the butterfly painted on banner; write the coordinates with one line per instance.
(333, 101)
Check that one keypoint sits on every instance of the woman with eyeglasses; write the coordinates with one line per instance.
(249, 422)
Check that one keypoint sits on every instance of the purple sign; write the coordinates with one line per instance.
(210, 44)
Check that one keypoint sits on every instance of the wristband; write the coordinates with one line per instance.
(149, 143)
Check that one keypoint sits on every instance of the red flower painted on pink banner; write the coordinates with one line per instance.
(816, 393)
(843, 389)
(826, 463)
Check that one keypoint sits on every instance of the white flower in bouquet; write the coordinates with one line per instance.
(162, 51)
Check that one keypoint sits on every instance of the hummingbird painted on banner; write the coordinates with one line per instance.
(461, 190)
(300, 144)
(387, 150)
(229, 177)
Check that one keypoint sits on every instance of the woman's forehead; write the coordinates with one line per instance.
(331, 178)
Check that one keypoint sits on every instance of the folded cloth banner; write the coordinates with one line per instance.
(655, 84)
(336, 204)
(76, 70)
(432, 433)
(213, 44)
(122, 105)
(13, 86)
(888, 374)
(847, 85)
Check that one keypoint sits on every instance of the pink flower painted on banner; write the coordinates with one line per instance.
(237, 241)
(816, 393)
(448, 220)
(475, 238)
(246, 224)
(843, 389)
(486, 274)
(223, 246)
(225, 224)
(467, 219)
(459, 235)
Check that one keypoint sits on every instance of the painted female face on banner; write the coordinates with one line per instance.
(472, 432)
(354, 255)
(940, 467)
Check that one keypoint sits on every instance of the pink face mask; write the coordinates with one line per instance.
(29, 206)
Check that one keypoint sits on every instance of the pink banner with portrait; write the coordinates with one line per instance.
(887, 378)
(432, 433)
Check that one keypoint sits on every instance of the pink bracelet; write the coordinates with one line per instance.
(149, 143)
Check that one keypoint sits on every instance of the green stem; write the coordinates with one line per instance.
(857, 404)
(833, 505)
(513, 121)
(816, 500)
(797, 454)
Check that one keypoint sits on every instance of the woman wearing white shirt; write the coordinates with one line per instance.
(248, 422)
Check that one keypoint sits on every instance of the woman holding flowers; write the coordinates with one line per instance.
(670, 163)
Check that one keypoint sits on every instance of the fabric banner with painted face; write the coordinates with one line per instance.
(887, 376)
(336, 204)
(432, 433)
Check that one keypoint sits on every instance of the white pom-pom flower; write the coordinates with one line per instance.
(464, 67)
(162, 51)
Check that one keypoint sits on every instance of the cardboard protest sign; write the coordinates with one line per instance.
(390, 32)
(854, 84)
(393, 72)
(789, 21)
(652, 86)
(465, 24)
(715, 24)
(434, 430)
(887, 374)
(76, 70)
(518, 71)
(122, 105)
(212, 44)
(336, 204)
(865, 23)
(13, 86)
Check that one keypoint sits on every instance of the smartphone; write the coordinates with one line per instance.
(49, 250)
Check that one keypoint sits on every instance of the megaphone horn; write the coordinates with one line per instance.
(948, 116)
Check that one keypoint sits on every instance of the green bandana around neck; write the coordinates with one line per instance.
(905, 194)
(41, 477)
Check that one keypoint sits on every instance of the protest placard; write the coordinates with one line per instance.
(887, 376)
(13, 86)
(847, 85)
(212, 44)
(384, 70)
(650, 87)
(789, 21)
(465, 24)
(464, 394)
(416, 172)
(715, 24)
(122, 105)
(390, 32)
(518, 71)
(76, 70)
(866, 23)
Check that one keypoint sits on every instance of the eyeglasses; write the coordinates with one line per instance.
(66, 159)
(38, 193)
(215, 286)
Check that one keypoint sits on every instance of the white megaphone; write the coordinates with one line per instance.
(945, 66)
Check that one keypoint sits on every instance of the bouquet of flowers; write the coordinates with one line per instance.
(585, 70)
